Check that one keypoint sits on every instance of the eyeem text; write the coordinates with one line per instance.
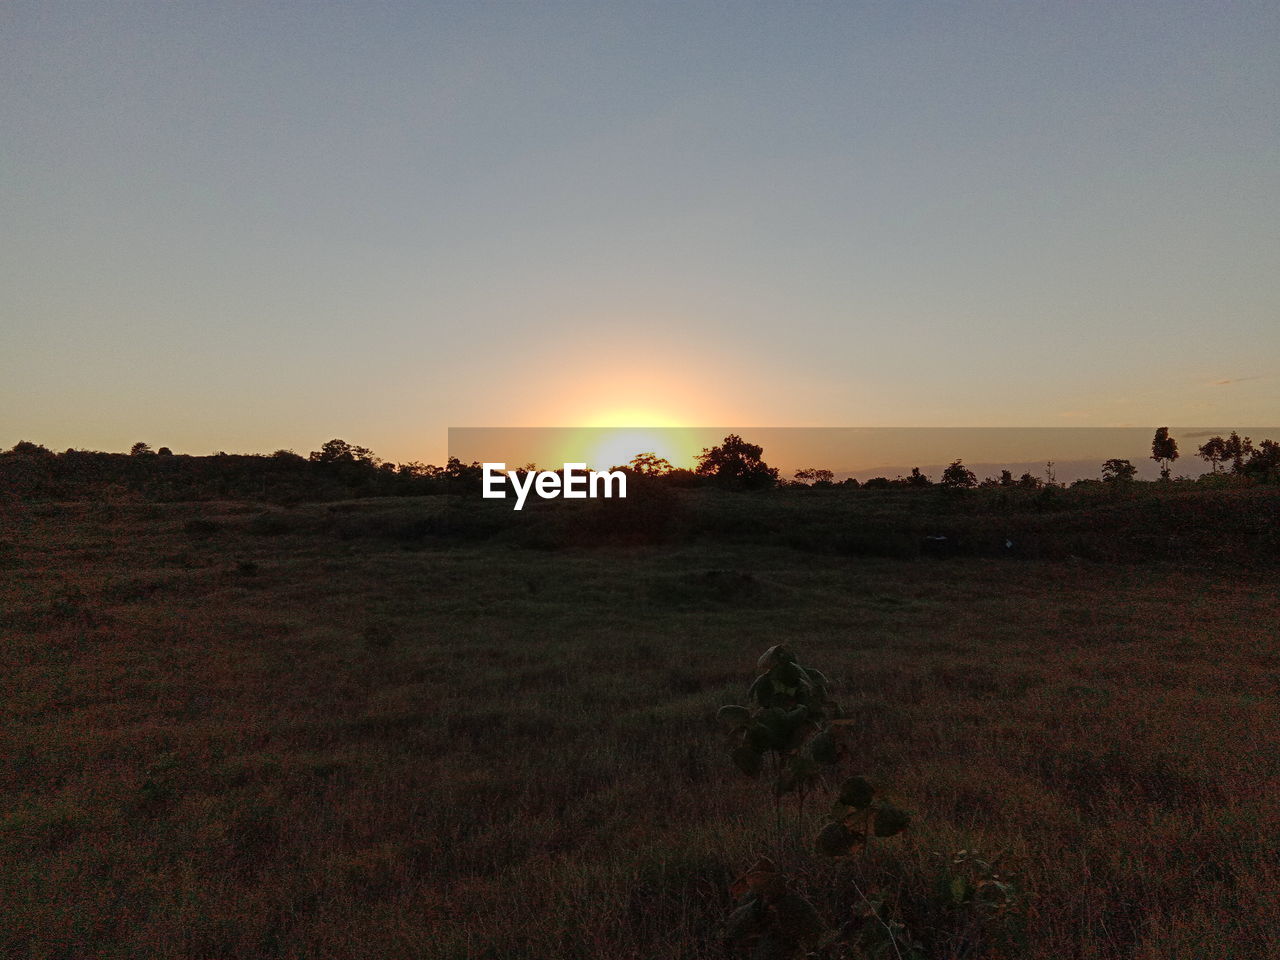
(576, 483)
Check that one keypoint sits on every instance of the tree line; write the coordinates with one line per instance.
(341, 469)
(738, 463)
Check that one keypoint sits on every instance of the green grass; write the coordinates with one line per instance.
(375, 730)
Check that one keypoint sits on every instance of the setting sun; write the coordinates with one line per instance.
(618, 446)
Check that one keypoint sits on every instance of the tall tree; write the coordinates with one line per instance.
(736, 462)
(1213, 451)
(1164, 450)
(1236, 450)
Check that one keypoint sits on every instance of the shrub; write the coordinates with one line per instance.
(787, 727)
(793, 730)
(958, 477)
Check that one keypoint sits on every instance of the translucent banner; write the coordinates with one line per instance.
(1053, 454)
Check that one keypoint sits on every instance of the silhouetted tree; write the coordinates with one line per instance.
(462, 474)
(29, 449)
(736, 462)
(416, 468)
(649, 464)
(1006, 478)
(339, 451)
(918, 479)
(1029, 481)
(814, 475)
(1213, 451)
(1164, 450)
(1118, 471)
(1263, 464)
(141, 449)
(878, 483)
(958, 477)
(164, 452)
(1237, 450)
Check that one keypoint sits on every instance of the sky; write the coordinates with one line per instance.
(251, 226)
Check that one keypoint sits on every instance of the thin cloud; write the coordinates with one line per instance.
(1223, 383)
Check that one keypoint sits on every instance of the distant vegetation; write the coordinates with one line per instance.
(341, 470)
(337, 471)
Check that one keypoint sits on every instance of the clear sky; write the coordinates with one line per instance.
(245, 226)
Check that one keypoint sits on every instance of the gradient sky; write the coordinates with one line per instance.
(245, 226)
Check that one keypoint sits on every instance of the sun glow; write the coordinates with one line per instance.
(604, 447)
(632, 418)
(616, 447)
(613, 437)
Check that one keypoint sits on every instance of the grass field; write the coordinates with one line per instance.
(329, 731)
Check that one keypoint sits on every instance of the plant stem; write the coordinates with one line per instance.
(777, 800)
(893, 940)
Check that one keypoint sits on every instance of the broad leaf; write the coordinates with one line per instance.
(823, 748)
(775, 655)
(890, 820)
(857, 792)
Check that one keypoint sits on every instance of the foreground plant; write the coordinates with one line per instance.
(987, 901)
(856, 816)
(794, 729)
(771, 919)
(774, 921)
(786, 729)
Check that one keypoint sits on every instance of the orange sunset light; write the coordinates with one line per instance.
(616, 447)
(612, 435)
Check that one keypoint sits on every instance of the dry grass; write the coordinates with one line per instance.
(273, 738)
